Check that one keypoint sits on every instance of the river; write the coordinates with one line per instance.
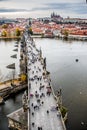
(66, 73)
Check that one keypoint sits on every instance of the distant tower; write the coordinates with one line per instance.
(29, 23)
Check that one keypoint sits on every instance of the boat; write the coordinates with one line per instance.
(77, 60)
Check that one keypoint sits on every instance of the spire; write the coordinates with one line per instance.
(29, 23)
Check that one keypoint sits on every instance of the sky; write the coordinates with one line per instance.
(43, 8)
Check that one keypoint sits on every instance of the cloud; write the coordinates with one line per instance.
(66, 7)
(4, 0)
(5, 10)
(78, 8)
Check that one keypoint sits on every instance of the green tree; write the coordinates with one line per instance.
(63, 110)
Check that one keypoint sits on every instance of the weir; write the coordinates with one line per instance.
(40, 105)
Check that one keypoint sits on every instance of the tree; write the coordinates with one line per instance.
(4, 33)
(17, 32)
(66, 34)
(23, 77)
(4, 26)
(42, 35)
(30, 31)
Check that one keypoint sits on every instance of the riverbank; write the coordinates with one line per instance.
(63, 37)
(74, 37)
(7, 38)
(11, 87)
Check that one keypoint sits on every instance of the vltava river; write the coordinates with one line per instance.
(70, 75)
(66, 73)
(6, 51)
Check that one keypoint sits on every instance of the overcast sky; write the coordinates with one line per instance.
(41, 8)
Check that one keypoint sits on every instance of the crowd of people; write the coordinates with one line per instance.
(40, 96)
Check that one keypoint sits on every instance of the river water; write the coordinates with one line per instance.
(66, 73)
